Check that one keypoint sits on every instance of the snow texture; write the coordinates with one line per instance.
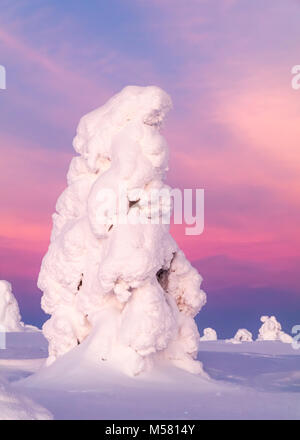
(271, 331)
(126, 288)
(209, 334)
(257, 380)
(14, 406)
(242, 335)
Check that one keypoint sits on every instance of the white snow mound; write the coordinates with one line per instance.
(209, 334)
(125, 286)
(271, 331)
(242, 335)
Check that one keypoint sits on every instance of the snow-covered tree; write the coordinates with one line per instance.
(209, 334)
(10, 318)
(271, 331)
(242, 335)
(124, 288)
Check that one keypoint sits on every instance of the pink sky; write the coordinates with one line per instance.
(234, 130)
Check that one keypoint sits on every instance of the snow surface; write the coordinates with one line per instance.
(209, 334)
(125, 287)
(14, 406)
(253, 380)
(24, 354)
(271, 331)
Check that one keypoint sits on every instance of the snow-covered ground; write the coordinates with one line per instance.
(248, 380)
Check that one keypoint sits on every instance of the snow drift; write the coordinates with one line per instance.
(14, 406)
(124, 288)
(271, 331)
(209, 334)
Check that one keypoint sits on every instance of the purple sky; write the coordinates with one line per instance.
(234, 131)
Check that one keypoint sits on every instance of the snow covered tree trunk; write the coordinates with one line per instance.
(118, 283)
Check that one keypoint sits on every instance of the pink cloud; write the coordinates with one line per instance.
(244, 98)
(258, 160)
(31, 180)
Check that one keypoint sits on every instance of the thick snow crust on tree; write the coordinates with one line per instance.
(242, 335)
(209, 334)
(271, 331)
(10, 318)
(125, 287)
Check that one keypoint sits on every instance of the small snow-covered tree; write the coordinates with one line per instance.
(271, 331)
(242, 335)
(10, 318)
(209, 334)
(125, 288)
